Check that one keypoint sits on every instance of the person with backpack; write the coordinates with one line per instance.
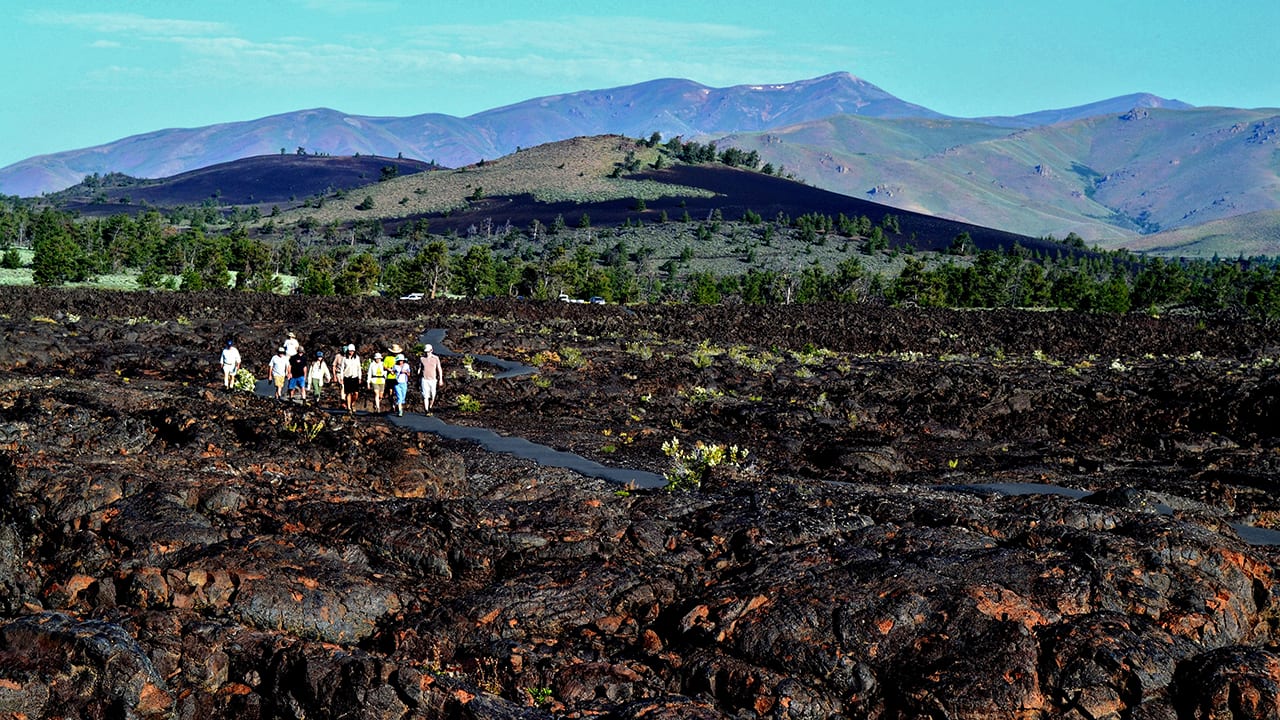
(376, 380)
(402, 370)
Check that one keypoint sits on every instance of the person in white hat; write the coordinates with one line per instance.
(376, 380)
(278, 367)
(432, 376)
(291, 344)
(401, 372)
(350, 374)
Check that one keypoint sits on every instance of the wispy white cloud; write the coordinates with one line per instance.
(567, 53)
(130, 23)
(104, 44)
(578, 36)
(348, 7)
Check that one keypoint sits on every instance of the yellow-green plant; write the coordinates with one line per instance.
(244, 381)
(640, 350)
(571, 357)
(691, 466)
(308, 430)
(701, 359)
(545, 358)
(467, 404)
(759, 361)
(698, 394)
(468, 364)
(539, 695)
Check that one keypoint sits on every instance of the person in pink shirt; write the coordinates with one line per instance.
(432, 376)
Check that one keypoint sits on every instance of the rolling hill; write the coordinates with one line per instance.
(576, 177)
(1109, 178)
(1117, 172)
(261, 180)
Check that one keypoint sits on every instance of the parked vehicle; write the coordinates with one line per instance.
(412, 296)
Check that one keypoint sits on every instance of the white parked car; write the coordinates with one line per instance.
(412, 296)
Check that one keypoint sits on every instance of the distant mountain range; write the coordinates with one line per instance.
(1111, 171)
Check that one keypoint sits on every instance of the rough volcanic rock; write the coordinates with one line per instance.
(924, 527)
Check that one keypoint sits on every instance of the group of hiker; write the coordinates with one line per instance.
(294, 375)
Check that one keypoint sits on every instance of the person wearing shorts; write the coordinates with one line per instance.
(377, 380)
(230, 362)
(278, 367)
(297, 375)
(432, 376)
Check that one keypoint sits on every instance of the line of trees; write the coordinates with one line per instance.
(545, 261)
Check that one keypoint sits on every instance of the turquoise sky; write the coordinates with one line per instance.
(81, 72)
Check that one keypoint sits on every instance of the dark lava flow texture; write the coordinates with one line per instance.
(171, 550)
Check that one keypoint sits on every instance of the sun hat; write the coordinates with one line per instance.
(426, 348)
(399, 358)
(395, 348)
(377, 356)
(351, 348)
(292, 335)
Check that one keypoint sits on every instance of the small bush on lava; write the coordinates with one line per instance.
(691, 466)
(245, 381)
(571, 358)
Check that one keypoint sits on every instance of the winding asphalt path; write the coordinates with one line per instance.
(1248, 533)
(495, 442)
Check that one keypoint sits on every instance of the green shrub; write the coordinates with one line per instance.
(245, 381)
(690, 467)
(571, 357)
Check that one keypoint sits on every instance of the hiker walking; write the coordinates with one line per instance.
(230, 362)
(317, 375)
(402, 370)
(432, 376)
(337, 374)
(376, 380)
(297, 374)
(350, 374)
(278, 368)
(291, 345)
(389, 363)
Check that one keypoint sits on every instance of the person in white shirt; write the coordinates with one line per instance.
(230, 362)
(317, 375)
(349, 370)
(291, 345)
(376, 380)
(278, 366)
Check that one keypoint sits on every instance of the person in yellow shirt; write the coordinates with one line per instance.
(376, 380)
